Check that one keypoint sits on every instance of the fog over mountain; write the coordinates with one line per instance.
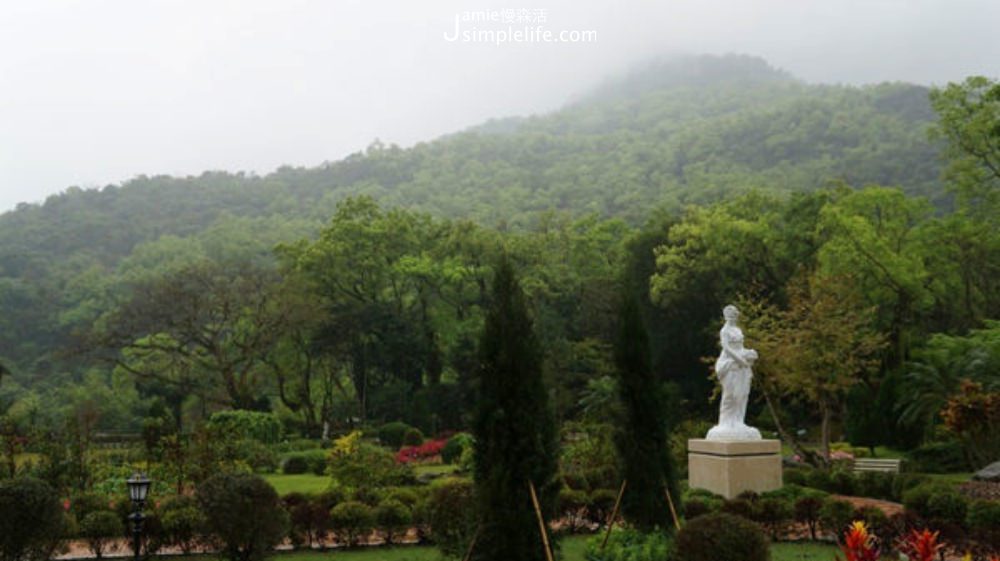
(97, 92)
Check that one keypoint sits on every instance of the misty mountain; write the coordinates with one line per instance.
(667, 134)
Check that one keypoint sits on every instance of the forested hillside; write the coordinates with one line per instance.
(671, 134)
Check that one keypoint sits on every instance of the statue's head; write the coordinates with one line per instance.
(730, 313)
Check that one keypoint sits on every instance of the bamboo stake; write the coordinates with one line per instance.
(614, 513)
(541, 521)
(673, 511)
(472, 544)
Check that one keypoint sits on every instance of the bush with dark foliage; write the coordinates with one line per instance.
(722, 537)
(31, 520)
(244, 513)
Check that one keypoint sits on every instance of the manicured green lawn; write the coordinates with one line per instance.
(802, 552)
(436, 469)
(304, 483)
(955, 478)
(572, 549)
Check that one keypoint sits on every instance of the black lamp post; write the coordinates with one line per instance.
(138, 490)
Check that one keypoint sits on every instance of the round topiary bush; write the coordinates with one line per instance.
(836, 515)
(101, 529)
(392, 517)
(294, 465)
(31, 519)
(450, 513)
(721, 537)
(244, 512)
(453, 449)
(391, 434)
(351, 521)
(413, 437)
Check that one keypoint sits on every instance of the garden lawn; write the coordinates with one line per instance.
(802, 552)
(434, 469)
(303, 483)
(572, 549)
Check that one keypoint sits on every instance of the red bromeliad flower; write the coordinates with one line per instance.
(859, 544)
(920, 545)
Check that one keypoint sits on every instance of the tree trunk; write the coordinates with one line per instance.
(807, 456)
(825, 430)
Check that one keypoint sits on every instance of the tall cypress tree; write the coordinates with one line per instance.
(514, 429)
(642, 439)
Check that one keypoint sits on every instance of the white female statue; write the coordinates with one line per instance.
(733, 369)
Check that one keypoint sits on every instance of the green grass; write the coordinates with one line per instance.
(304, 483)
(802, 552)
(435, 469)
(954, 478)
(571, 549)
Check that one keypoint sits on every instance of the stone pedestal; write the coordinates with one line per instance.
(729, 467)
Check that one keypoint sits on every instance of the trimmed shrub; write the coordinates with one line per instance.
(807, 511)
(453, 449)
(983, 521)
(392, 516)
(101, 530)
(694, 508)
(308, 518)
(949, 506)
(917, 498)
(31, 520)
(392, 434)
(183, 524)
(413, 437)
(83, 503)
(903, 482)
(841, 482)
(738, 507)
(629, 544)
(405, 495)
(721, 537)
(450, 513)
(938, 457)
(774, 514)
(875, 519)
(257, 455)
(796, 476)
(876, 485)
(305, 461)
(819, 479)
(242, 424)
(294, 465)
(367, 465)
(243, 511)
(836, 515)
(351, 521)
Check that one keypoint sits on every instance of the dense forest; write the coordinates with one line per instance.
(354, 291)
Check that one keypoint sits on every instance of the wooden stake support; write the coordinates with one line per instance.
(670, 502)
(472, 544)
(614, 513)
(541, 521)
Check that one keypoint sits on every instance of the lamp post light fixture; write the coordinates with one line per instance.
(138, 490)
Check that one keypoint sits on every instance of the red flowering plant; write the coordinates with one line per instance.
(920, 545)
(424, 451)
(859, 544)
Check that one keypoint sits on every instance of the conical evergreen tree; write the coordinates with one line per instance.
(514, 429)
(642, 440)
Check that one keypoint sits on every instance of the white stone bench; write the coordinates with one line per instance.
(874, 464)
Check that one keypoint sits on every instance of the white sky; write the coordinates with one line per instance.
(95, 92)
